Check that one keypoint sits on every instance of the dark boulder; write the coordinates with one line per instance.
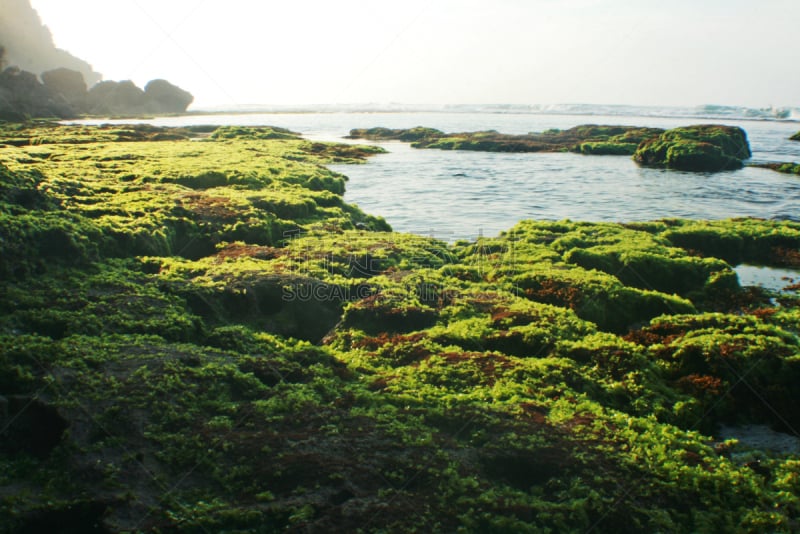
(22, 95)
(116, 98)
(163, 97)
(702, 148)
(68, 85)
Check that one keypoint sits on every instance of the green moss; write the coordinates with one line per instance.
(739, 241)
(586, 139)
(786, 168)
(384, 134)
(707, 148)
(599, 148)
(214, 307)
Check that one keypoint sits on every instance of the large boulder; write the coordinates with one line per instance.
(68, 85)
(22, 95)
(702, 148)
(116, 98)
(163, 97)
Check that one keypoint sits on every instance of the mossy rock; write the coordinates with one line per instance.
(214, 307)
(706, 355)
(702, 148)
(388, 134)
(785, 168)
(795, 137)
(759, 242)
(601, 148)
(586, 139)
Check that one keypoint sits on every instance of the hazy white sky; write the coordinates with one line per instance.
(645, 52)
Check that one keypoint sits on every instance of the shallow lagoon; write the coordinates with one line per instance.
(463, 195)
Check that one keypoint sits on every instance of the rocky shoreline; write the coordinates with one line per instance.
(197, 333)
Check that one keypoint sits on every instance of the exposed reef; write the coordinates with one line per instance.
(585, 139)
(786, 168)
(197, 334)
(705, 148)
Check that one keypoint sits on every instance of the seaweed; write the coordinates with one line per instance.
(584, 139)
(201, 335)
(703, 148)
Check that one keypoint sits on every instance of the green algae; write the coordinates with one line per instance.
(707, 148)
(702, 148)
(217, 342)
(584, 139)
(785, 168)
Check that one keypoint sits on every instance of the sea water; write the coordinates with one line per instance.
(463, 195)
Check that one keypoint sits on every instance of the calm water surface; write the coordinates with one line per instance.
(462, 195)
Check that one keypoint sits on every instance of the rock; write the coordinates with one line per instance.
(795, 137)
(163, 97)
(703, 148)
(116, 98)
(125, 98)
(586, 139)
(22, 95)
(63, 94)
(786, 168)
(29, 44)
(403, 134)
(68, 85)
(293, 306)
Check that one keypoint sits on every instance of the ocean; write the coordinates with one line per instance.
(454, 195)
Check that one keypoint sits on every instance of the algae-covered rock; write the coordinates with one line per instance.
(795, 137)
(585, 139)
(387, 134)
(197, 334)
(704, 148)
(785, 168)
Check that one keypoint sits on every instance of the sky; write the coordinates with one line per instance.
(268, 52)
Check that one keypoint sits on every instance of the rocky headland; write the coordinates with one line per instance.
(39, 80)
(62, 93)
